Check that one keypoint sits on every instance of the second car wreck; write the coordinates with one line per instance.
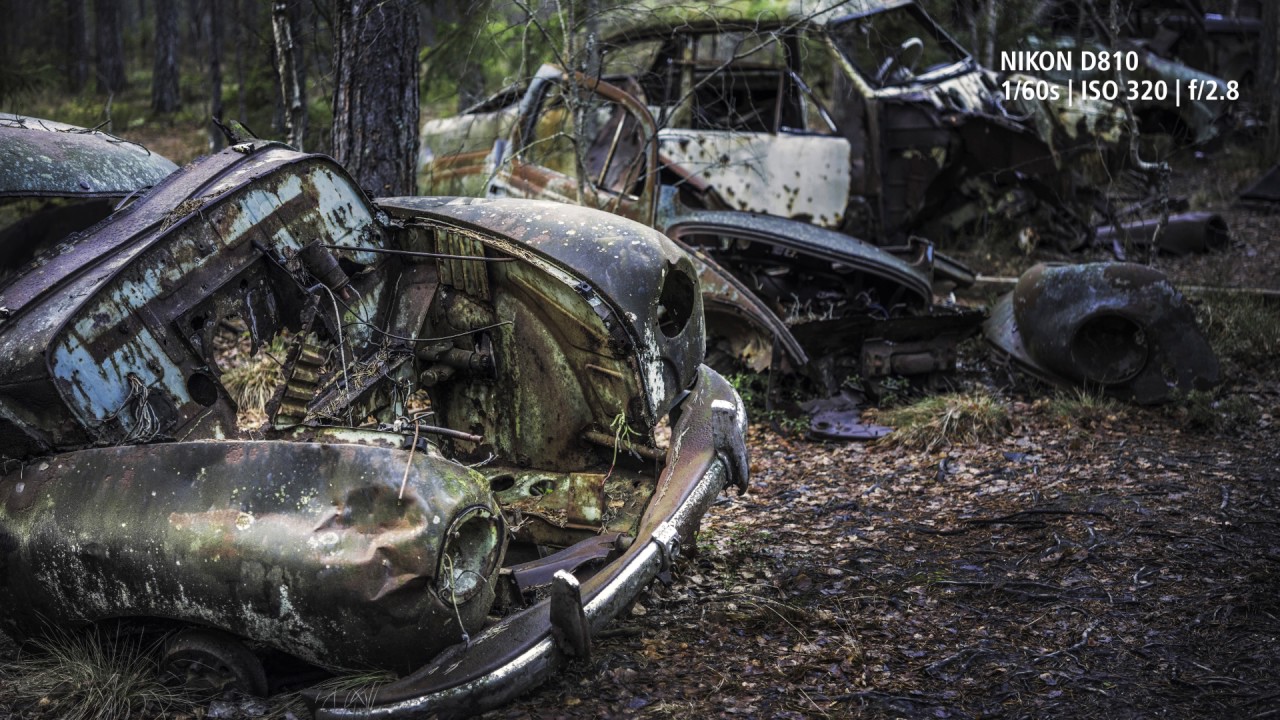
(776, 290)
(458, 481)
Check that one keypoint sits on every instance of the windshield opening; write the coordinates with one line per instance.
(895, 46)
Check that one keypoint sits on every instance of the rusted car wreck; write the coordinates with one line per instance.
(862, 116)
(809, 162)
(458, 479)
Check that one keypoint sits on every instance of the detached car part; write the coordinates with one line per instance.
(458, 471)
(1116, 326)
(1183, 234)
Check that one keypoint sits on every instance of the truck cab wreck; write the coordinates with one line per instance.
(458, 479)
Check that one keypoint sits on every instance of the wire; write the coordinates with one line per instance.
(414, 253)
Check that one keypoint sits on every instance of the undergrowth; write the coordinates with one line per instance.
(1244, 331)
(1082, 407)
(92, 675)
(945, 420)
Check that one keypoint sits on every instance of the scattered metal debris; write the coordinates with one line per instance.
(1183, 234)
(459, 478)
(1119, 327)
(1263, 191)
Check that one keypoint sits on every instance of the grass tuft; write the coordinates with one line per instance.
(251, 379)
(1206, 411)
(1244, 330)
(357, 688)
(93, 675)
(1082, 408)
(945, 420)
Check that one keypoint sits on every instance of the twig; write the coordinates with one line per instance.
(1084, 640)
(404, 481)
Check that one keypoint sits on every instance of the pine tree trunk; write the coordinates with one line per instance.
(164, 79)
(290, 68)
(110, 46)
(77, 46)
(237, 40)
(1269, 75)
(375, 104)
(215, 75)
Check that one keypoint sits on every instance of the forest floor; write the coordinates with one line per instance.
(1091, 559)
(1087, 559)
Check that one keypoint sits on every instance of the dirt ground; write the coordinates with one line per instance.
(1127, 569)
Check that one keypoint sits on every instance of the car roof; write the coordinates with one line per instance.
(45, 158)
(666, 20)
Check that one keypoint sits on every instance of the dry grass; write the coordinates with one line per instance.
(91, 675)
(1082, 407)
(1243, 329)
(357, 688)
(251, 379)
(946, 420)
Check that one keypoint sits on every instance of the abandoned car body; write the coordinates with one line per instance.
(1118, 327)
(59, 179)
(776, 290)
(481, 541)
(865, 118)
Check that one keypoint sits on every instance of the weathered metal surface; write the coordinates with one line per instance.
(1116, 326)
(550, 342)
(1264, 190)
(519, 651)
(53, 159)
(761, 275)
(790, 176)
(791, 117)
(1185, 233)
(852, 307)
(104, 324)
(306, 546)
(1199, 116)
(655, 309)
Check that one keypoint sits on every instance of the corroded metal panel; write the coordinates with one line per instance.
(803, 177)
(278, 541)
(47, 158)
(1116, 326)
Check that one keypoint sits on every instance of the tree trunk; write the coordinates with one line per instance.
(215, 75)
(77, 47)
(164, 78)
(290, 66)
(110, 46)
(989, 42)
(375, 103)
(1269, 75)
(237, 40)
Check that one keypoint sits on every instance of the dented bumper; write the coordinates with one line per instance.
(509, 658)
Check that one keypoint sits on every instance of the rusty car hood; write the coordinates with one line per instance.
(52, 159)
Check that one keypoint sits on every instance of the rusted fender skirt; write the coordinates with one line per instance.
(304, 546)
(1116, 326)
(519, 653)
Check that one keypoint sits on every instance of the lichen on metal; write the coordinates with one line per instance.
(53, 159)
